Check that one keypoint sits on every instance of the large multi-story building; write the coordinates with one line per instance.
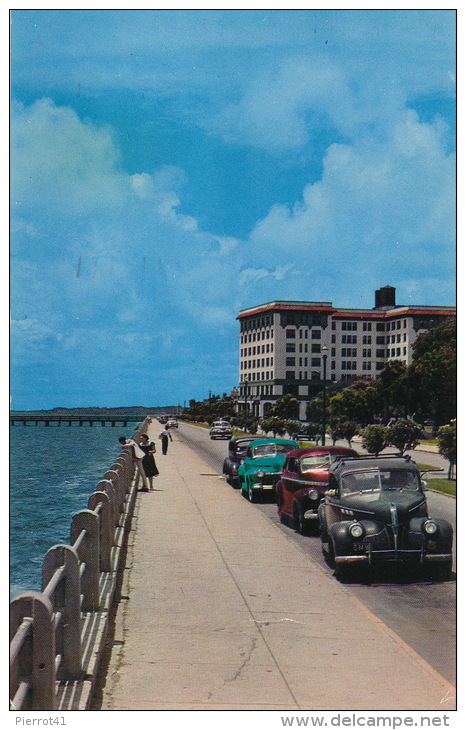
(293, 347)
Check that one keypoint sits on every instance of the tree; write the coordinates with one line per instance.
(359, 401)
(344, 430)
(274, 424)
(405, 435)
(293, 427)
(432, 373)
(337, 432)
(286, 407)
(447, 445)
(375, 438)
(394, 389)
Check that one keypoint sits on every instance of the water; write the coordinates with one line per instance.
(53, 471)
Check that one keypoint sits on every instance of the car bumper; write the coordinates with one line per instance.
(311, 514)
(394, 556)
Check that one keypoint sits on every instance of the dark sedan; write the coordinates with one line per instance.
(375, 512)
(237, 448)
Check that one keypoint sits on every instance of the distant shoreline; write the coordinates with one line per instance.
(143, 410)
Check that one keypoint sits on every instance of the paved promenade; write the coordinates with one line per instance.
(221, 611)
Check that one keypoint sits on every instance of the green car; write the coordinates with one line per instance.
(262, 466)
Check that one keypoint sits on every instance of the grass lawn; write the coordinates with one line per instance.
(446, 486)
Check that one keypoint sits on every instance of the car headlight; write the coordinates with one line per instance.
(430, 527)
(313, 494)
(260, 474)
(356, 530)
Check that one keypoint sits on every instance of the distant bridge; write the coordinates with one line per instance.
(34, 419)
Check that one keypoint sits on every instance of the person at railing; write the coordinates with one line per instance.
(148, 462)
(138, 455)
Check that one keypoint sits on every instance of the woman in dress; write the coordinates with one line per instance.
(148, 462)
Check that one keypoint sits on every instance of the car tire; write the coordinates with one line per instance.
(299, 523)
(442, 571)
(252, 496)
(330, 553)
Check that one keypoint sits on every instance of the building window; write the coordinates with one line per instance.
(316, 334)
(367, 326)
(380, 326)
(315, 348)
(366, 366)
(289, 375)
(367, 352)
(333, 352)
(367, 340)
(290, 361)
(380, 353)
(379, 365)
(332, 365)
(334, 339)
(290, 347)
(315, 362)
(290, 334)
(380, 340)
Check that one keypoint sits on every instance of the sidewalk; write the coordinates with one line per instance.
(220, 611)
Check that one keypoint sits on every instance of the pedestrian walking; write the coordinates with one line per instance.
(148, 462)
(138, 454)
(165, 435)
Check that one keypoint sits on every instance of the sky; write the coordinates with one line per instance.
(171, 167)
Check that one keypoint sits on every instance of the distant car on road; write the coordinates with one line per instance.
(303, 482)
(172, 423)
(236, 452)
(221, 430)
(375, 512)
(262, 466)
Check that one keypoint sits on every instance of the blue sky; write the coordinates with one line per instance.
(171, 167)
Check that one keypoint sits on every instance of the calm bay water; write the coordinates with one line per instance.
(53, 471)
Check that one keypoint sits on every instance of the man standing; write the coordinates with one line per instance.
(138, 455)
(165, 435)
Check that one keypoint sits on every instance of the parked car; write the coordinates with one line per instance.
(172, 423)
(303, 483)
(221, 430)
(262, 466)
(375, 512)
(236, 452)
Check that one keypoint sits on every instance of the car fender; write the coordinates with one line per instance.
(278, 489)
(443, 538)
(343, 541)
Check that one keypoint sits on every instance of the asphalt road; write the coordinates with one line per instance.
(422, 613)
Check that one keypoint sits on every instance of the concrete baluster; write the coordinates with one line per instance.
(37, 656)
(66, 598)
(106, 528)
(115, 475)
(105, 485)
(89, 552)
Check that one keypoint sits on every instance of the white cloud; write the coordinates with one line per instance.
(372, 193)
(70, 162)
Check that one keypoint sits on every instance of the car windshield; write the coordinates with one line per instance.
(262, 450)
(315, 461)
(380, 480)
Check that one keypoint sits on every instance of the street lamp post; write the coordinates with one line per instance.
(245, 397)
(324, 392)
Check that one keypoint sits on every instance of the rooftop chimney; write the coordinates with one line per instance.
(385, 297)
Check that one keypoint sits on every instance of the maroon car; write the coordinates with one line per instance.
(302, 485)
